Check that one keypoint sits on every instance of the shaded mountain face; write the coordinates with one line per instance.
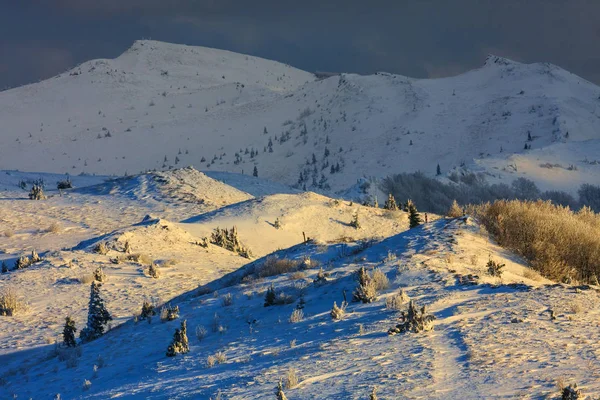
(161, 106)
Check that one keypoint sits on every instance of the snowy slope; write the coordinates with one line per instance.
(493, 339)
(160, 105)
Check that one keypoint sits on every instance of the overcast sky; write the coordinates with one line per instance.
(419, 38)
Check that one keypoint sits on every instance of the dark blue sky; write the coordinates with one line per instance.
(420, 38)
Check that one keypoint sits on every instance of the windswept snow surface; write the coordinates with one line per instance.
(161, 105)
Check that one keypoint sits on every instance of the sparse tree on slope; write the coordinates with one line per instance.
(390, 203)
(438, 170)
(69, 332)
(279, 393)
(414, 218)
(180, 344)
(255, 172)
(98, 315)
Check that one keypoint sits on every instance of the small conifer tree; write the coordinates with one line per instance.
(366, 290)
(414, 218)
(99, 275)
(180, 344)
(270, 297)
(37, 193)
(35, 257)
(373, 395)
(69, 332)
(147, 310)
(390, 203)
(355, 223)
(279, 393)
(438, 170)
(98, 315)
(255, 172)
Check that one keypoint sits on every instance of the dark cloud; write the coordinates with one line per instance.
(417, 38)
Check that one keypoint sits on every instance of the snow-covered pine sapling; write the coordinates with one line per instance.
(390, 203)
(270, 297)
(277, 223)
(414, 218)
(98, 315)
(494, 268)
(127, 248)
(99, 275)
(355, 223)
(180, 344)
(366, 291)
(147, 310)
(69, 332)
(337, 313)
(279, 392)
(413, 321)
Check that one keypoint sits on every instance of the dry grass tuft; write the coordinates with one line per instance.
(275, 266)
(11, 302)
(380, 280)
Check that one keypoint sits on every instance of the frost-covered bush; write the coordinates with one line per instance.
(148, 310)
(276, 266)
(10, 302)
(168, 313)
(153, 271)
(99, 275)
(396, 301)
(296, 316)
(413, 321)
(337, 313)
(380, 280)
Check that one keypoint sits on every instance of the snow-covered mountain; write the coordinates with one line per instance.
(161, 105)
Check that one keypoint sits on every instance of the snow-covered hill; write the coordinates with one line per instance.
(161, 105)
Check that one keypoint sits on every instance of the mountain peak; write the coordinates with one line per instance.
(492, 59)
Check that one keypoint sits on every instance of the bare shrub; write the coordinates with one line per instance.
(297, 275)
(337, 313)
(227, 300)
(54, 227)
(557, 242)
(275, 266)
(396, 301)
(380, 280)
(531, 274)
(8, 233)
(297, 316)
(220, 357)
(168, 313)
(290, 380)
(474, 259)
(211, 361)
(10, 302)
(575, 307)
(201, 332)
